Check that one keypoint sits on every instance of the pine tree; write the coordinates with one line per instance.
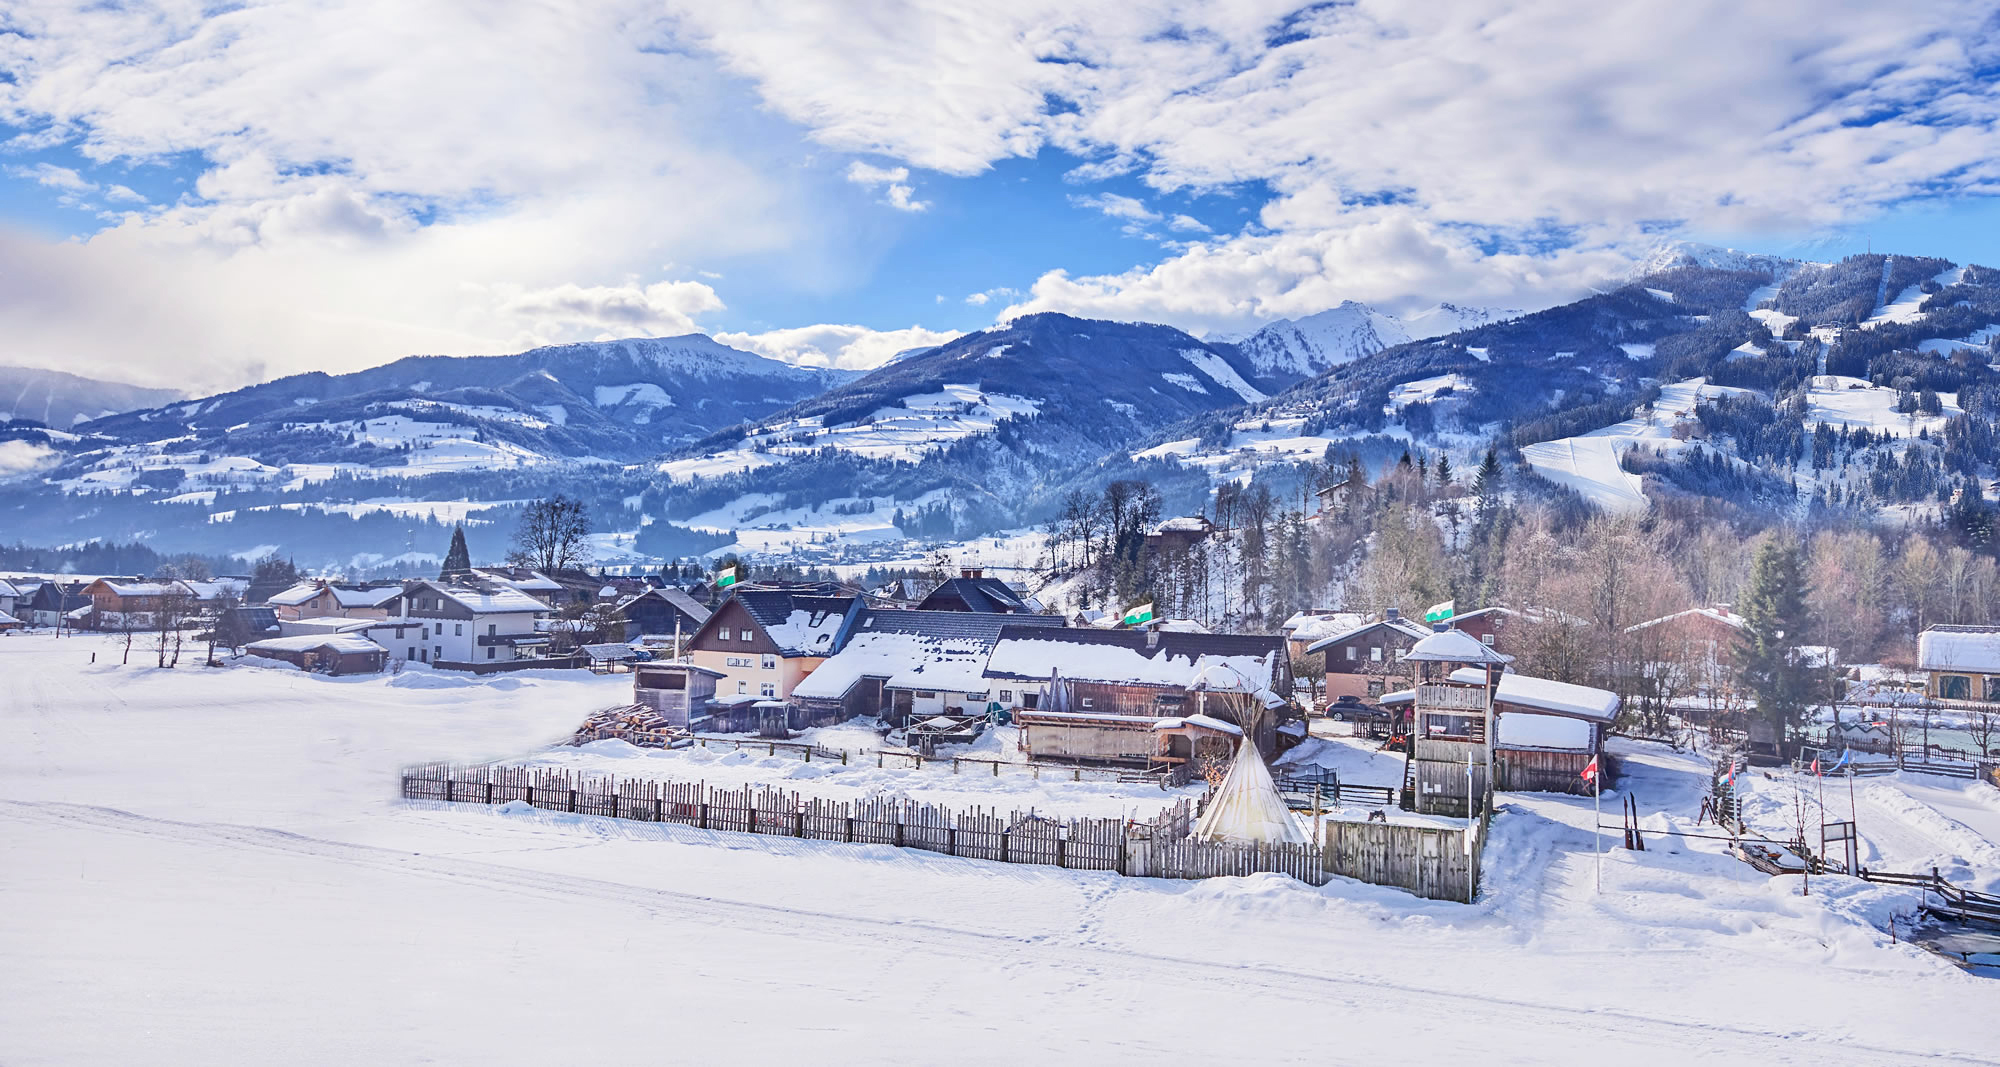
(457, 558)
(1774, 609)
(1444, 471)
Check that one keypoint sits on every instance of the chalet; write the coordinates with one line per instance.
(319, 598)
(467, 627)
(1314, 624)
(1126, 696)
(1962, 662)
(1362, 661)
(905, 665)
(972, 591)
(765, 641)
(1708, 636)
(1546, 733)
(681, 692)
(1487, 624)
(661, 612)
(323, 653)
(121, 605)
(53, 602)
(1179, 534)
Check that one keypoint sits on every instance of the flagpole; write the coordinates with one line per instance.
(1597, 841)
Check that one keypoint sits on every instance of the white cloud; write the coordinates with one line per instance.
(663, 308)
(54, 177)
(897, 192)
(1187, 224)
(1118, 207)
(1536, 124)
(843, 347)
(25, 457)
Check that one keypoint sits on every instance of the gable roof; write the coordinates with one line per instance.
(1714, 615)
(341, 643)
(800, 624)
(1134, 657)
(367, 597)
(499, 599)
(946, 651)
(299, 593)
(1402, 626)
(686, 604)
(978, 594)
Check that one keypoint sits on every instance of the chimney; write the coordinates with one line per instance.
(970, 572)
(1440, 627)
(1152, 637)
(1391, 614)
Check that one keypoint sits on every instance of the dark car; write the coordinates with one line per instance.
(1353, 709)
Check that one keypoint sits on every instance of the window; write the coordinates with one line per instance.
(1375, 654)
(1486, 639)
(1992, 688)
(767, 690)
(437, 653)
(723, 633)
(1030, 699)
(1352, 653)
(424, 634)
(1085, 702)
(925, 694)
(743, 688)
(981, 695)
(458, 629)
(1006, 695)
(492, 629)
(490, 649)
(770, 662)
(1375, 688)
(1955, 687)
(410, 653)
(1441, 726)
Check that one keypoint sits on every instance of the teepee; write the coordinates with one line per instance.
(1246, 808)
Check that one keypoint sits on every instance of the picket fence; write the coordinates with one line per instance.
(1157, 848)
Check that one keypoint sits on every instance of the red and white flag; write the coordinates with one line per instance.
(1590, 770)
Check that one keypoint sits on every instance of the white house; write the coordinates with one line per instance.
(463, 626)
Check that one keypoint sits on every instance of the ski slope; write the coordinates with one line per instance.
(1589, 463)
(221, 856)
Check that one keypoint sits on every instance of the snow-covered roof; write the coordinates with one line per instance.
(1306, 626)
(1402, 626)
(341, 643)
(609, 653)
(526, 581)
(490, 601)
(1520, 729)
(1959, 648)
(1183, 626)
(1132, 657)
(215, 589)
(331, 624)
(365, 598)
(800, 624)
(1454, 646)
(1206, 722)
(1184, 524)
(1716, 615)
(8, 620)
(1541, 694)
(7, 588)
(948, 664)
(138, 588)
(296, 595)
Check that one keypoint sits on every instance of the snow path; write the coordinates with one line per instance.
(220, 853)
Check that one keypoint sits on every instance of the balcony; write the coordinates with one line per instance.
(1452, 697)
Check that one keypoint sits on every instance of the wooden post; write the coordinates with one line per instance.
(572, 801)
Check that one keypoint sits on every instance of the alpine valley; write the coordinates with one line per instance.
(1710, 379)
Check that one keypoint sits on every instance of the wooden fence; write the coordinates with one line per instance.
(1410, 857)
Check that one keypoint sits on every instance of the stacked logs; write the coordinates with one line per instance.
(634, 724)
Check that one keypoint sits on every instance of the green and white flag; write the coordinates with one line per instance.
(1441, 612)
(1140, 615)
(727, 578)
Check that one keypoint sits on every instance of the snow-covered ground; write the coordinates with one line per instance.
(1589, 463)
(212, 866)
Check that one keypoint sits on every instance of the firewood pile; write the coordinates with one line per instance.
(634, 724)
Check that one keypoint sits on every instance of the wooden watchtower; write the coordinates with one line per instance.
(1451, 738)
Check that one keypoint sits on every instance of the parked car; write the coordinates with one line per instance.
(1350, 708)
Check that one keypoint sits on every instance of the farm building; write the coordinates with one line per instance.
(1099, 695)
(764, 642)
(117, 605)
(53, 602)
(1963, 662)
(904, 665)
(1366, 660)
(323, 653)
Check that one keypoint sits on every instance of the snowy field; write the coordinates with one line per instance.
(212, 866)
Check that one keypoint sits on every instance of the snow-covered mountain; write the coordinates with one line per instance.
(1671, 255)
(1307, 346)
(54, 398)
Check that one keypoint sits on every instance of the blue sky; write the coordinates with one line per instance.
(207, 197)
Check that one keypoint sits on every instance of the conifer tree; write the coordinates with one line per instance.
(457, 558)
(1774, 609)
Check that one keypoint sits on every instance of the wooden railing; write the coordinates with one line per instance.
(1453, 697)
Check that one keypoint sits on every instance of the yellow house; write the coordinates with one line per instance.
(764, 642)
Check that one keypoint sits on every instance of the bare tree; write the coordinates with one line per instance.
(553, 535)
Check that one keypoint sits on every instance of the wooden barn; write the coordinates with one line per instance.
(323, 653)
(1547, 731)
(1097, 696)
(681, 692)
(662, 613)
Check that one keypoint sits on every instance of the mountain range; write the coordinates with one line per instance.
(683, 444)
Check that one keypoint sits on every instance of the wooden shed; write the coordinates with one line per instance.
(324, 653)
(682, 692)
